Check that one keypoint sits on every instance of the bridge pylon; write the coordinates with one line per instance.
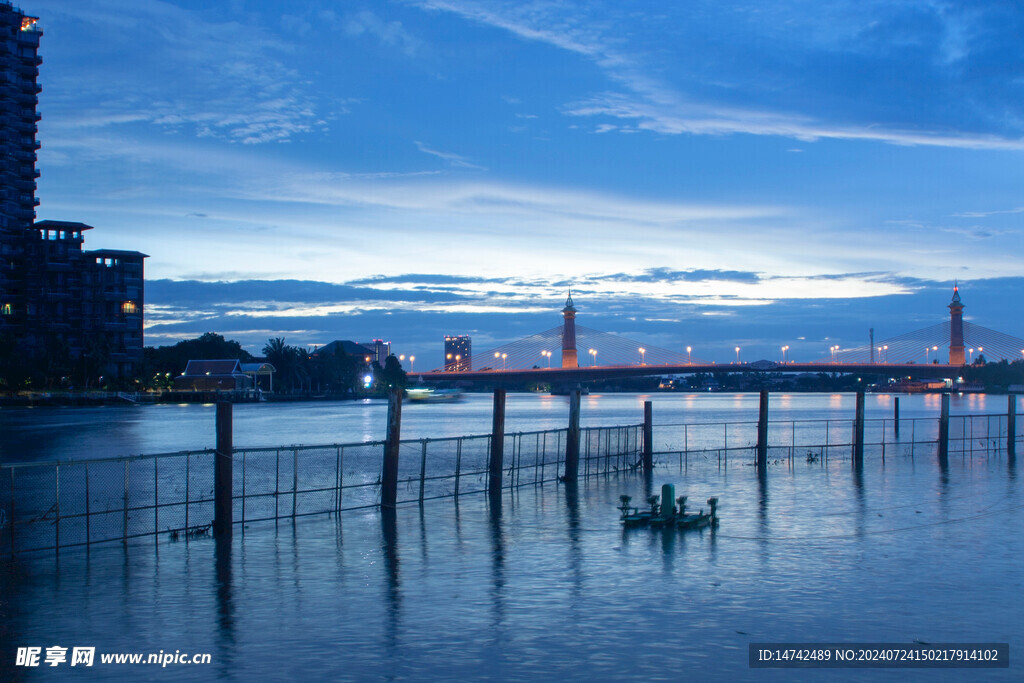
(569, 359)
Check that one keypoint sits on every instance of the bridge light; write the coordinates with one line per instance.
(593, 352)
(642, 352)
(737, 355)
(412, 363)
(690, 348)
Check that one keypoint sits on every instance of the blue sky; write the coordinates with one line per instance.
(701, 173)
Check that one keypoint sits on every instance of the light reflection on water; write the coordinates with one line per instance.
(543, 583)
(34, 434)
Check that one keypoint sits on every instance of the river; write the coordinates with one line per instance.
(544, 583)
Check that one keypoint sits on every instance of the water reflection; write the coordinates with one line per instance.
(572, 510)
(393, 594)
(497, 536)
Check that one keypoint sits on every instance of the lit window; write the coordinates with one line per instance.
(6, 309)
(129, 307)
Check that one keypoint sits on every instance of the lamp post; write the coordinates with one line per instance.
(936, 349)
(784, 349)
(458, 362)
(412, 363)
(593, 352)
(886, 350)
(970, 355)
(690, 348)
(737, 355)
(642, 352)
(504, 357)
(833, 349)
(547, 354)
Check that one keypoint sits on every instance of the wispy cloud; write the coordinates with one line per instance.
(390, 33)
(453, 159)
(701, 105)
(218, 78)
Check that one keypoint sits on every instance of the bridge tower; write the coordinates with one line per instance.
(569, 334)
(956, 329)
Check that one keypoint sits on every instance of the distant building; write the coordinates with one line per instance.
(55, 297)
(364, 352)
(213, 375)
(379, 350)
(458, 353)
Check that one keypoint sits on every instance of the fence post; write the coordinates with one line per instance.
(494, 467)
(648, 437)
(858, 436)
(762, 432)
(389, 480)
(572, 438)
(222, 478)
(1011, 427)
(896, 416)
(944, 428)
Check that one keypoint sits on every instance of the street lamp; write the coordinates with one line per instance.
(970, 355)
(690, 348)
(784, 349)
(642, 352)
(458, 362)
(504, 356)
(886, 349)
(737, 355)
(548, 355)
(833, 349)
(412, 363)
(593, 352)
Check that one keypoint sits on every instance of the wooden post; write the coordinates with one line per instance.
(762, 432)
(572, 438)
(494, 468)
(896, 415)
(222, 472)
(944, 428)
(858, 435)
(648, 437)
(1011, 427)
(389, 478)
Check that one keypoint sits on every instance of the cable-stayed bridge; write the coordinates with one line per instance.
(569, 353)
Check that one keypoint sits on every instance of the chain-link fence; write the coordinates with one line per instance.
(821, 440)
(47, 506)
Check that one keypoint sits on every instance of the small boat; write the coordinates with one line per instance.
(424, 395)
(667, 516)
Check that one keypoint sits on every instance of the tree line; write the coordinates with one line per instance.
(298, 370)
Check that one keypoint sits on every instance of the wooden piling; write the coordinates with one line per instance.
(762, 432)
(222, 472)
(858, 435)
(896, 415)
(1011, 427)
(572, 438)
(648, 437)
(389, 478)
(944, 429)
(494, 468)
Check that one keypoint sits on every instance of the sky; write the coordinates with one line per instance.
(705, 174)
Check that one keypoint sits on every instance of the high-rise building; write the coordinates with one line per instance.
(19, 70)
(458, 353)
(58, 304)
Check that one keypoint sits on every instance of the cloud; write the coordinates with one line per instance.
(219, 78)
(390, 34)
(453, 159)
(784, 63)
(695, 275)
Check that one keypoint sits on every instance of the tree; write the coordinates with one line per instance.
(393, 375)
